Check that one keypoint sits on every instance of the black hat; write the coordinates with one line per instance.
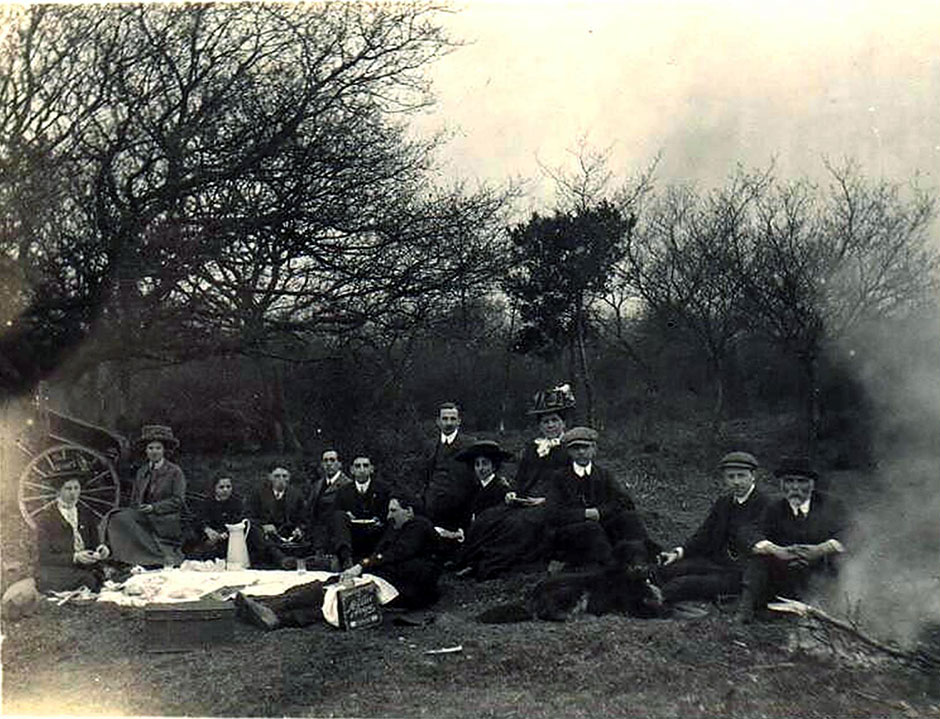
(550, 401)
(796, 467)
(483, 448)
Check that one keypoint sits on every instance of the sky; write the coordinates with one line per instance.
(708, 84)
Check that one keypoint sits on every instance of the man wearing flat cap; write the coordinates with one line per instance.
(711, 562)
(589, 508)
(799, 539)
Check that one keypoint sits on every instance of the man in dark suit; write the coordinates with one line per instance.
(404, 556)
(359, 513)
(589, 508)
(276, 511)
(799, 539)
(448, 484)
(711, 562)
(321, 502)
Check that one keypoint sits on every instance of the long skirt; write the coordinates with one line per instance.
(130, 535)
(505, 538)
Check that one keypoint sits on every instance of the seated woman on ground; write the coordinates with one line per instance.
(211, 536)
(70, 555)
(149, 532)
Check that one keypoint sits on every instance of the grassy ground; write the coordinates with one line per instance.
(92, 660)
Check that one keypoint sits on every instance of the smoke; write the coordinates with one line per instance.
(891, 578)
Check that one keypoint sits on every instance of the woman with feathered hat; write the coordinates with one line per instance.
(149, 531)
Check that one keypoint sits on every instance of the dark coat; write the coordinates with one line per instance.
(569, 495)
(827, 519)
(374, 503)
(416, 539)
(322, 500)
(285, 514)
(728, 532)
(56, 539)
(492, 495)
(216, 514)
(449, 485)
(165, 490)
(534, 472)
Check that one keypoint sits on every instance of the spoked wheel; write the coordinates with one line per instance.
(101, 486)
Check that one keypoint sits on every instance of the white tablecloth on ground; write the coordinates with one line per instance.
(164, 586)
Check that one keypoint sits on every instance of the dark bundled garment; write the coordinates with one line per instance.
(624, 587)
(581, 541)
(715, 555)
(767, 576)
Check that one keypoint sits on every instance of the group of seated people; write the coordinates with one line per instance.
(562, 509)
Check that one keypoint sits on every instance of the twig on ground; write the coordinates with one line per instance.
(921, 659)
(887, 702)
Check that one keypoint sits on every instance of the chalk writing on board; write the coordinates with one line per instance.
(358, 606)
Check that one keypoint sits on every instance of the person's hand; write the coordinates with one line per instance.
(592, 513)
(269, 529)
(807, 552)
(667, 558)
(102, 552)
(86, 556)
(146, 508)
(297, 534)
(509, 498)
(785, 554)
(212, 535)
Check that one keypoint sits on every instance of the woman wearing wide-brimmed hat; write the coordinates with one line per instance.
(499, 537)
(149, 531)
(70, 554)
(545, 455)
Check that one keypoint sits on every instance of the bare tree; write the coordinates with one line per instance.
(214, 178)
(824, 260)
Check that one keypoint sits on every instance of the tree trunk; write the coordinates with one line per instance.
(583, 365)
(811, 408)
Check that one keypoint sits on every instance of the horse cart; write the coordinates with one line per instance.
(57, 445)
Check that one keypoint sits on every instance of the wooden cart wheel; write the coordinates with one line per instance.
(101, 486)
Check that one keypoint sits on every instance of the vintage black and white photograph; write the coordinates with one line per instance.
(486, 358)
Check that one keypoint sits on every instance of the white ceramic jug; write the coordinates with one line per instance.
(237, 557)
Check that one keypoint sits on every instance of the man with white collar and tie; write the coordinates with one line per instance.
(322, 499)
(448, 484)
(798, 539)
(276, 510)
(711, 562)
(590, 509)
(359, 513)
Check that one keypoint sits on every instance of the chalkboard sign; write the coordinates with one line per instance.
(358, 606)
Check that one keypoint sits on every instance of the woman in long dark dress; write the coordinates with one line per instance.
(224, 507)
(516, 534)
(149, 532)
(70, 554)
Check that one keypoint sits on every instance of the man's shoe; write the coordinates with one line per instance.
(256, 612)
(289, 563)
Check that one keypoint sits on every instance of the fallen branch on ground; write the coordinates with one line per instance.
(921, 659)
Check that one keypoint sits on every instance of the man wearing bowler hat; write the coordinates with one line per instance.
(589, 508)
(799, 539)
(711, 562)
